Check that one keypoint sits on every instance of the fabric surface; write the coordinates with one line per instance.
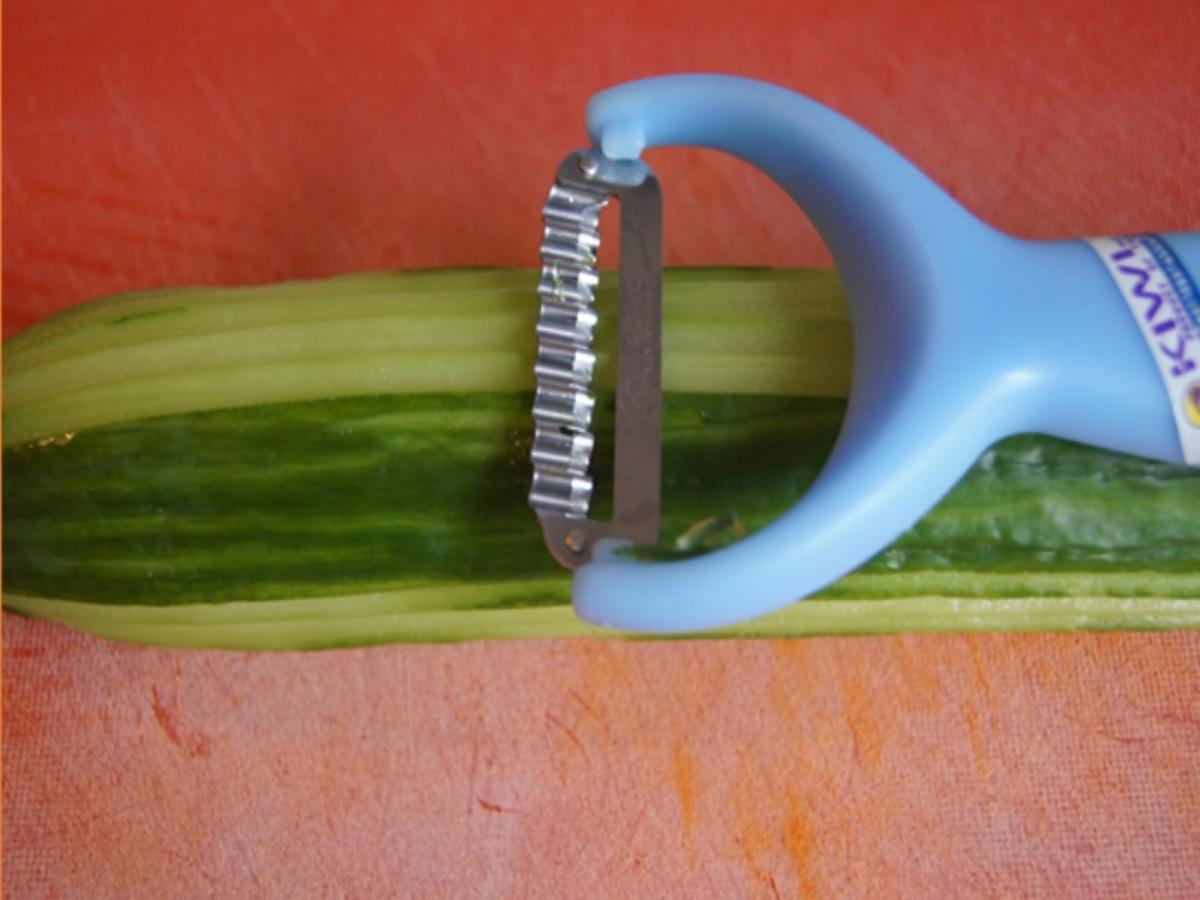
(152, 144)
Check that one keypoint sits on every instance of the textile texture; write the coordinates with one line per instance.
(150, 144)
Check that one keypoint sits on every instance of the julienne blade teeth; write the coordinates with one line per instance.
(568, 234)
(563, 449)
(569, 204)
(572, 254)
(582, 216)
(566, 363)
(563, 286)
(565, 322)
(563, 406)
(562, 292)
(560, 492)
(560, 273)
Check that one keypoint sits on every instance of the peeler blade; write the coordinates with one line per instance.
(563, 403)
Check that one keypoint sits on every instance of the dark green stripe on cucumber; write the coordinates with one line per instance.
(336, 497)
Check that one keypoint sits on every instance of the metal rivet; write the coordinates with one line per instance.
(589, 166)
(575, 541)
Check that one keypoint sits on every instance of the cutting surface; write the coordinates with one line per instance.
(150, 144)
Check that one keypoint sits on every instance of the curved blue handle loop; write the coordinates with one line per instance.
(962, 335)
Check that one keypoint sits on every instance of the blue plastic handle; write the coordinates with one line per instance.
(962, 336)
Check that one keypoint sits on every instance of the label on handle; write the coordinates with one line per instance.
(1165, 302)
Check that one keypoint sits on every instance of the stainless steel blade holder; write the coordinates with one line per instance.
(566, 361)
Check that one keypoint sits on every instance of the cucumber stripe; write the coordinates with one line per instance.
(127, 358)
(355, 495)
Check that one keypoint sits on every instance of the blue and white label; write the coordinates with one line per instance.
(1165, 302)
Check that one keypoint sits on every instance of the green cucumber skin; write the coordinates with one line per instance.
(330, 498)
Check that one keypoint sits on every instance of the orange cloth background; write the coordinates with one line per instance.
(150, 143)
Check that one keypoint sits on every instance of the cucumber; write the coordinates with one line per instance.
(345, 462)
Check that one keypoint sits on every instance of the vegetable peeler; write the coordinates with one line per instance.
(962, 335)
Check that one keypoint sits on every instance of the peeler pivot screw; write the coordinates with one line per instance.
(576, 541)
(589, 165)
